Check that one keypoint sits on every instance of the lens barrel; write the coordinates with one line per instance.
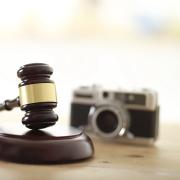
(108, 120)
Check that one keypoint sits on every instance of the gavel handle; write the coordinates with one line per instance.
(9, 104)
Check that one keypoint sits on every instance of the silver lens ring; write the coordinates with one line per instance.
(119, 113)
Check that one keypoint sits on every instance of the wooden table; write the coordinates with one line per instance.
(111, 161)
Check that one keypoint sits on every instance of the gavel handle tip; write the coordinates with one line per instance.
(9, 104)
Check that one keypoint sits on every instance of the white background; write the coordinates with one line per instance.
(114, 43)
(112, 64)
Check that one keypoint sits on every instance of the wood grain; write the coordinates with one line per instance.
(112, 161)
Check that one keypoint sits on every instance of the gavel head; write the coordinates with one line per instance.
(37, 95)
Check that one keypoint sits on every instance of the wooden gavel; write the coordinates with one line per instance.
(37, 96)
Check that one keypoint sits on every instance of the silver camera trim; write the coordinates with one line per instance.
(95, 93)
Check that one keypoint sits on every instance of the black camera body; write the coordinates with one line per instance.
(136, 113)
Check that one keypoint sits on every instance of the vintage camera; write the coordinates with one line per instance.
(116, 113)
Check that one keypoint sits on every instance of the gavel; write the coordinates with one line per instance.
(37, 96)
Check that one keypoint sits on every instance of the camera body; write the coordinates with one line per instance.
(137, 112)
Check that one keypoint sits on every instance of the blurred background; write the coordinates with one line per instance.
(114, 43)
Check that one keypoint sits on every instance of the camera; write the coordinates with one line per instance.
(116, 113)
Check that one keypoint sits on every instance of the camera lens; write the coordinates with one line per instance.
(107, 121)
(105, 94)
